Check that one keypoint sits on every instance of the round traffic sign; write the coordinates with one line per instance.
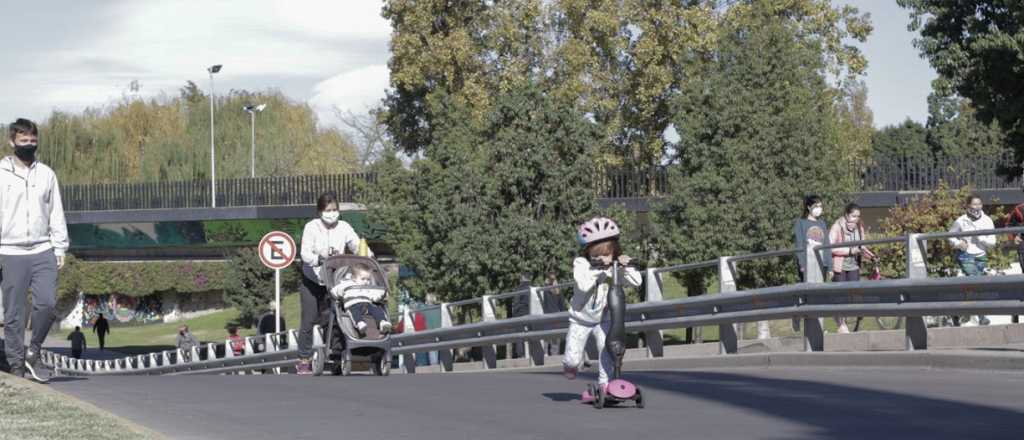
(277, 250)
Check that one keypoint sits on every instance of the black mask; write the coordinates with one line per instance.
(26, 153)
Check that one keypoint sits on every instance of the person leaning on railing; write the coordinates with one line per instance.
(972, 252)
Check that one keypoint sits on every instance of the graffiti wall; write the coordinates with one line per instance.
(122, 309)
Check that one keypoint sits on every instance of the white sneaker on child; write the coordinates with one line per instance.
(385, 327)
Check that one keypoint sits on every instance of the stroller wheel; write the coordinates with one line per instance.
(346, 367)
(599, 397)
(381, 366)
(639, 401)
(336, 368)
(318, 361)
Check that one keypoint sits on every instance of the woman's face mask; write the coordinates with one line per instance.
(330, 217)
(816, 211)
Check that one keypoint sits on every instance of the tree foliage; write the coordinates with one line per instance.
(140, 278)
(249, 285)
(933, 212)
(757, 133)
(168, 139)
(977, 48)
(491, 201)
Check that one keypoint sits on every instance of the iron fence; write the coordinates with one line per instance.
(880, 174)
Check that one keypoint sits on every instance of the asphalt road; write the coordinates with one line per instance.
(735, 403)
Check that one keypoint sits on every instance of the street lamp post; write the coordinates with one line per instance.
(213, 157)
(253, 109)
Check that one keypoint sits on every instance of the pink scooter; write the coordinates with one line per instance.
(618, 389)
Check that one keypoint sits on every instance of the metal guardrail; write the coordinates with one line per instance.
(913, 298)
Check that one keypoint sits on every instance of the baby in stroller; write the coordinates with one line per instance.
(361, 302)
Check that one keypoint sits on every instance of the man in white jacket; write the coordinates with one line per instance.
(33, 241)
(972, 252)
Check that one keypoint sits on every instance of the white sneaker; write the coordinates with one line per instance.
(843, 330)
(385, 327)
(361, 327)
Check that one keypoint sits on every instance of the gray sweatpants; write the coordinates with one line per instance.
(37, 272)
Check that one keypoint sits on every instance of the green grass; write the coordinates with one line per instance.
(29, 411)
(156, 337)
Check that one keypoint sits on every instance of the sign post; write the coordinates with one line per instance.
(277, 251)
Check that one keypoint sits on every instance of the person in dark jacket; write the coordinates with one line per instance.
(102, 328)
(77, 343)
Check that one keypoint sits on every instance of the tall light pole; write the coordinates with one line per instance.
(253, 109)
(213, 158)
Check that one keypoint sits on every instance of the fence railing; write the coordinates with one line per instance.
(912, 298)
(881, 174)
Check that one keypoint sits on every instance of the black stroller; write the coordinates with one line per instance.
(344, 346)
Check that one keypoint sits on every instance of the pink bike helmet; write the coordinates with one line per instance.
(597, 229)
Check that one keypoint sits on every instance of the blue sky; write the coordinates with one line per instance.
(70, 54)
(898, 79)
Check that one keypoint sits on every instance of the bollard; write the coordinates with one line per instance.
(916, 333)
(489, 353)
(814, 333)
(445, 356)
(408, 326)
(535, 347)
(654, 338)
(727, 337)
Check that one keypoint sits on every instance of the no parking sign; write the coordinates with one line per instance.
(277, 251)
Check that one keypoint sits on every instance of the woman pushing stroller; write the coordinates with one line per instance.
(322, 238)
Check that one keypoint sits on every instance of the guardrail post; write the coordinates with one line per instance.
(194, 353)
(152, 360)
(445, 356)
(229, 352)
(211, 351)
(653, 338)
(488, 352)
(536, 347)
(727, 338)
(165, 358)
(814, 333)
(916, 332)
(408, 326)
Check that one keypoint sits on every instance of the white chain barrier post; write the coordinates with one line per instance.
(445, 357)
(917, 268)
(535, 348)
(814, 334)
(652, 293)
(408, 326)
(727, 339)
(489, 352)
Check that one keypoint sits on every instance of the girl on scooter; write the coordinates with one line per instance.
(588, 314)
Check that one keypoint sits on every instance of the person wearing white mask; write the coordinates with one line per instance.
(808, 230)
(322, 237)
(972, 252)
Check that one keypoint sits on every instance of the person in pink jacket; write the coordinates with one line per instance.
(846, 261)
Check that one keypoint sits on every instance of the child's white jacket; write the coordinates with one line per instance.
(590, 298)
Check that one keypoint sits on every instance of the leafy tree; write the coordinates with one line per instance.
(907, 139)
(168, 139)
(758, 132)
(490, 202)
(249, 285)
(954, 130)
(977, 48)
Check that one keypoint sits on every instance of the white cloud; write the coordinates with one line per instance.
(355, 91)
(301, 47)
